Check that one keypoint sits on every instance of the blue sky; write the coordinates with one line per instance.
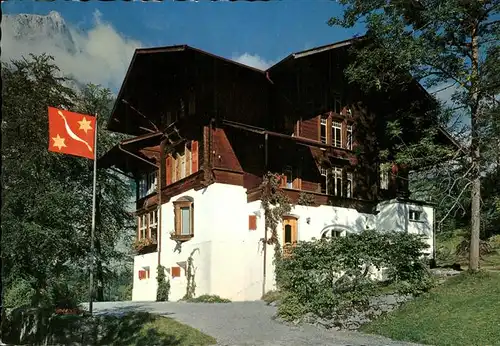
(270, 30)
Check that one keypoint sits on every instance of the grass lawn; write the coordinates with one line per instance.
(463, 311)
(138, 329)
(158, 330)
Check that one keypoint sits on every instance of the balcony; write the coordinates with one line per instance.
(145, 246)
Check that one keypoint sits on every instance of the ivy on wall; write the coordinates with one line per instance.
(163, 290)
(275, 204)
(190, 277)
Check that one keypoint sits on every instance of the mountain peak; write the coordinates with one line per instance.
(40, 27)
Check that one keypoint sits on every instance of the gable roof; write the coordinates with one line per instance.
(316, 50)
(140, 70)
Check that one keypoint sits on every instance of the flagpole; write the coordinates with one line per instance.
(92, 230)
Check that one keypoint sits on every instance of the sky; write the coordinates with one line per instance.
(254, 33)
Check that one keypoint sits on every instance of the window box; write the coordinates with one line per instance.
(181, 237)
(145, 245)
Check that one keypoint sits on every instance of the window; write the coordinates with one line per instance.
(324, 180)
(186, 221)
(144, 273)
(148, 225)
(147, 184)
(323, 129)
(337, 134)
(332, 233)
(143, 226)
(384, 178)
(182, 164)
(252, 222)
(183, 209)
(349, 138)
(153, 224)
(176, 272)
(415, 215)
(337, 181)
(332, 182)
(288, 234)
(288, 172)
(349, 185)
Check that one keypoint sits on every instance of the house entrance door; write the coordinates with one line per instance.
(289, 230)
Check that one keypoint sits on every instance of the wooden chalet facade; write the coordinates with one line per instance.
(206, 129)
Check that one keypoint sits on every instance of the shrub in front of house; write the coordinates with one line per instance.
(208, 298)
(331, 277)
(272, 296)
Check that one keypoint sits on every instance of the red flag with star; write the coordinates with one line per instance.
(71, 133)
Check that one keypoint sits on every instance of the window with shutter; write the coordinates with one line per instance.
(252, 222)
(176, 272)
(184, 218)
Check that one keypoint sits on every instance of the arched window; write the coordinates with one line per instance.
(334, 232)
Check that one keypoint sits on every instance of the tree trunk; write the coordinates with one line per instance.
(99, 273)
(98, 252)
(475, 159)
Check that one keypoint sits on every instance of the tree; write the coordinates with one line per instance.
(40, 189)
(114, 222)
(46, 197)
(451, 42)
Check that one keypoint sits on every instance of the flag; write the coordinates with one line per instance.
(71, 133)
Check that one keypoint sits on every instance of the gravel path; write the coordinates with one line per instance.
(245, 323)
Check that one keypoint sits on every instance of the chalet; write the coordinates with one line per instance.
(205, 130)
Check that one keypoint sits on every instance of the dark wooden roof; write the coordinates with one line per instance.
(155, 74)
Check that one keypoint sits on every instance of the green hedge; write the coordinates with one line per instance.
(330, 276)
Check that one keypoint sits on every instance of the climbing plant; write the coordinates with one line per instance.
(275, 204)
(190, 276)
(305, 199)
(163, 290)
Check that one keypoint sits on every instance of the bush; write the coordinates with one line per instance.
(208, 298)
(328, 277)
(62, 297)
(271, 296)
(125, 292)
(163, 290)
(19, 294)
(291, 308)
(495, 242)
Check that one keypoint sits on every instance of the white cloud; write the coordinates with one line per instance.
(253, 60)
(100, 56)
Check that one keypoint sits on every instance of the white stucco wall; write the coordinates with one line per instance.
(145, 289)
(229, 258)
(394, 216)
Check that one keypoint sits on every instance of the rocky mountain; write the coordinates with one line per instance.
(34, 28)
